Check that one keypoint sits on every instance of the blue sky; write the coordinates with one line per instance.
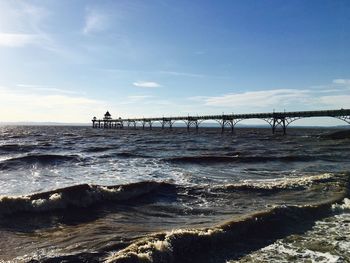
(67, 61)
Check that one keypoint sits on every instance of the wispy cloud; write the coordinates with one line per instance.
(184, 74)
(36, 106)
(262, 98)
(336, 101)
(46, 88)
(32, 86)
(95, 21)
(146, 84)
(19, 40)
(139, 97)
(323, 97)
(20, 24)
(24, 24)
(157, 72)
(342, 81)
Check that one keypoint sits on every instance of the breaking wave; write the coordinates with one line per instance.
(98, 149)
(289, 183)
(41, 159)
(16, 148)
(83, 195)
(230, 240)
(208, 159)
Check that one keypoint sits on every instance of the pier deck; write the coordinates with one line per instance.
(274, 119)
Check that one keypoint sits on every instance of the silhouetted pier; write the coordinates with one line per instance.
(277, 120)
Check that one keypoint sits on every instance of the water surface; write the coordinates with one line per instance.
(77, 193)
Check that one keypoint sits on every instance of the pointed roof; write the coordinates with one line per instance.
(107, 114)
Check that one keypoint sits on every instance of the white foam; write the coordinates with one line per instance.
(281, 183)
(327, 242)
(55, 196)
(85, 196)
(345, 206)
(154, 248)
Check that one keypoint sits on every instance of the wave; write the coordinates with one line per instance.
(131, 155)
(207, 159)
(345, 206)
(16, 148)
(99, 149)
(290, 183)
(229, 240)
(337, 135)
(79, 196)
(125, 155)
(41, 159)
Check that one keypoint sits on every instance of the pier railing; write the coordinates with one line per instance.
(274, 119)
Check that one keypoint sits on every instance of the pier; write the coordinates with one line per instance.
(278, 121)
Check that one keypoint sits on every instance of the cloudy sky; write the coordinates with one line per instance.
(67, 61)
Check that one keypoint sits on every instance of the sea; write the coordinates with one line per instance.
(78, 194)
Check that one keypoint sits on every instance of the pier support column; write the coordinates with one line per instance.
(145, 122)
(227, 122)
(168, 122)
(132, 123)
(279, 121)
(191, 122)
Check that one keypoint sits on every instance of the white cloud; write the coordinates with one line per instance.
(20, 24)
(32, 86)
(19, 40)
(156, 72)
(146, 84)
(21, 16)
(21, 105)
(139, 97)
(342, 81)
(264, 98)
(336, 101)
(46, 88)
(95, 21)
(313, 98)
(184, 74)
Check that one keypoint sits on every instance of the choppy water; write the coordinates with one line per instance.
(86, 195)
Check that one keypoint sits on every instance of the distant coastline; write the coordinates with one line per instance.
(29, 123)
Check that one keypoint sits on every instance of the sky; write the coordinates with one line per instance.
(67, 61)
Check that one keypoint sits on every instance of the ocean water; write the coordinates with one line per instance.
(77, 194)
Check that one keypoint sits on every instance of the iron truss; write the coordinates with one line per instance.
(277, 120)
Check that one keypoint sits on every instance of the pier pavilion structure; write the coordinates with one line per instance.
(278, 121)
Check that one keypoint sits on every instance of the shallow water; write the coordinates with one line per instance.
(77, 193)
